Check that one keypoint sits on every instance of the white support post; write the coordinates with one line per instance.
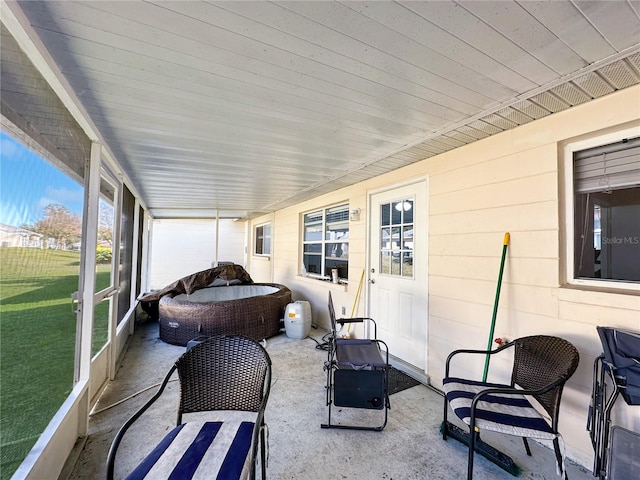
(217, 237)
(88, 263)
(135, 261)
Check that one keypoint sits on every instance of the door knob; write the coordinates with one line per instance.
(373, 280)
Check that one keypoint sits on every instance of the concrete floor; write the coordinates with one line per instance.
(410, 447)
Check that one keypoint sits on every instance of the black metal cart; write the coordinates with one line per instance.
(615, 373)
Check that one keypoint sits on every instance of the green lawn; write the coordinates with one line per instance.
(37, 343)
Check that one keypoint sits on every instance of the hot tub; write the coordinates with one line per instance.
(254, 310)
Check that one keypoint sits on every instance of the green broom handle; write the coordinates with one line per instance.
(505, 243)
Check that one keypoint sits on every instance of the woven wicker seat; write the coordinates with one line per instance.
(541, 366)
(221, 373)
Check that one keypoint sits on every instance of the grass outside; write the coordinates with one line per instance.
(37, 343)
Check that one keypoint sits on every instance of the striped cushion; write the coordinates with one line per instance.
(198, 450)
(511, 414)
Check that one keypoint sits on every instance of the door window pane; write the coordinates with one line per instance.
(396, 213)
(407, 264)
(407, 237)
(407, 210)
(385, 214)
(385, 262)
(385, 239)
(263, 239)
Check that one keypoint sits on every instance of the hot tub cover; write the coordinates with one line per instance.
(221, 275)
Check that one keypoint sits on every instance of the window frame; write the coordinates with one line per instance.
(323, 242)
(570, 148)
(262, 226)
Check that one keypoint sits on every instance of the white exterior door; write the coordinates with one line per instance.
(398, 270)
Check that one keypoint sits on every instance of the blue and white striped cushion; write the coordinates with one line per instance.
(511, 414)
(199, 450)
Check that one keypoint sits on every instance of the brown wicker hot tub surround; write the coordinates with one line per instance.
(257, 317)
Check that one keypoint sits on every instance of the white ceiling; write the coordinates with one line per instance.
(248, 107)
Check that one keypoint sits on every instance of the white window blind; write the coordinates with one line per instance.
(609, 167)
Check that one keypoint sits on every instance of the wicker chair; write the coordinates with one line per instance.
(221, 373)
(357, 372)
(541, 366)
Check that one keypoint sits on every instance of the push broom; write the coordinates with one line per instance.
(505, 244)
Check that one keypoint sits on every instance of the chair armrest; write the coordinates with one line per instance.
(385, 349)
(483, 352)
(111, 457)
(353, 319)
(260, 423)
(343, 321)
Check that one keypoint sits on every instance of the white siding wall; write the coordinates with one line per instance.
(507, 183)
(231, 247)
(182, 247)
